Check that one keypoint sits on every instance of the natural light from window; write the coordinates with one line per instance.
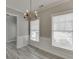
(62, 31)
(34, 30)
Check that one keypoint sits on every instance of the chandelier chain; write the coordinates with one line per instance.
(30, 5)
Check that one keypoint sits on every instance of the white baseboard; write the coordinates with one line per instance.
(11, 40)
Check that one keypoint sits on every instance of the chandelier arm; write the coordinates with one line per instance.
(30, 5)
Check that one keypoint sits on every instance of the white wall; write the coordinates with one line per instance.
(22, 32)
(22, 27)
(45, 41)
(11, 28)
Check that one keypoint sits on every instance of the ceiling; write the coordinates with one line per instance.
(22, 5)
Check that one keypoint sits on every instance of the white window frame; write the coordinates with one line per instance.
(56, 14)
(37, 39)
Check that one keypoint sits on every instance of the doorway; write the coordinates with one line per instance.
(11, 29)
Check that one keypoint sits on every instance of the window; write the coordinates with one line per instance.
(62, 31)
(35, 30)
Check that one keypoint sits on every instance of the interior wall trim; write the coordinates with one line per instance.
(54, 5)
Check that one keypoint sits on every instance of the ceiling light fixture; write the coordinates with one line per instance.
(31, 15)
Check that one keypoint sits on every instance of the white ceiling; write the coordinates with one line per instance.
(22, 5)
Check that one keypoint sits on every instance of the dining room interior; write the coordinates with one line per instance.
(39, 29)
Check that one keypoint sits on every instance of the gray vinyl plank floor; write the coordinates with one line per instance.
(28, 52)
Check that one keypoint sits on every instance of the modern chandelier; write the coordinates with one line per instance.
(31, 14)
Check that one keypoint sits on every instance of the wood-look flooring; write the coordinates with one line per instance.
(28, 52)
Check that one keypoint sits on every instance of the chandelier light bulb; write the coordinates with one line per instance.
(35, 12)
(27, 11)
(24, 14)
(36, 15)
